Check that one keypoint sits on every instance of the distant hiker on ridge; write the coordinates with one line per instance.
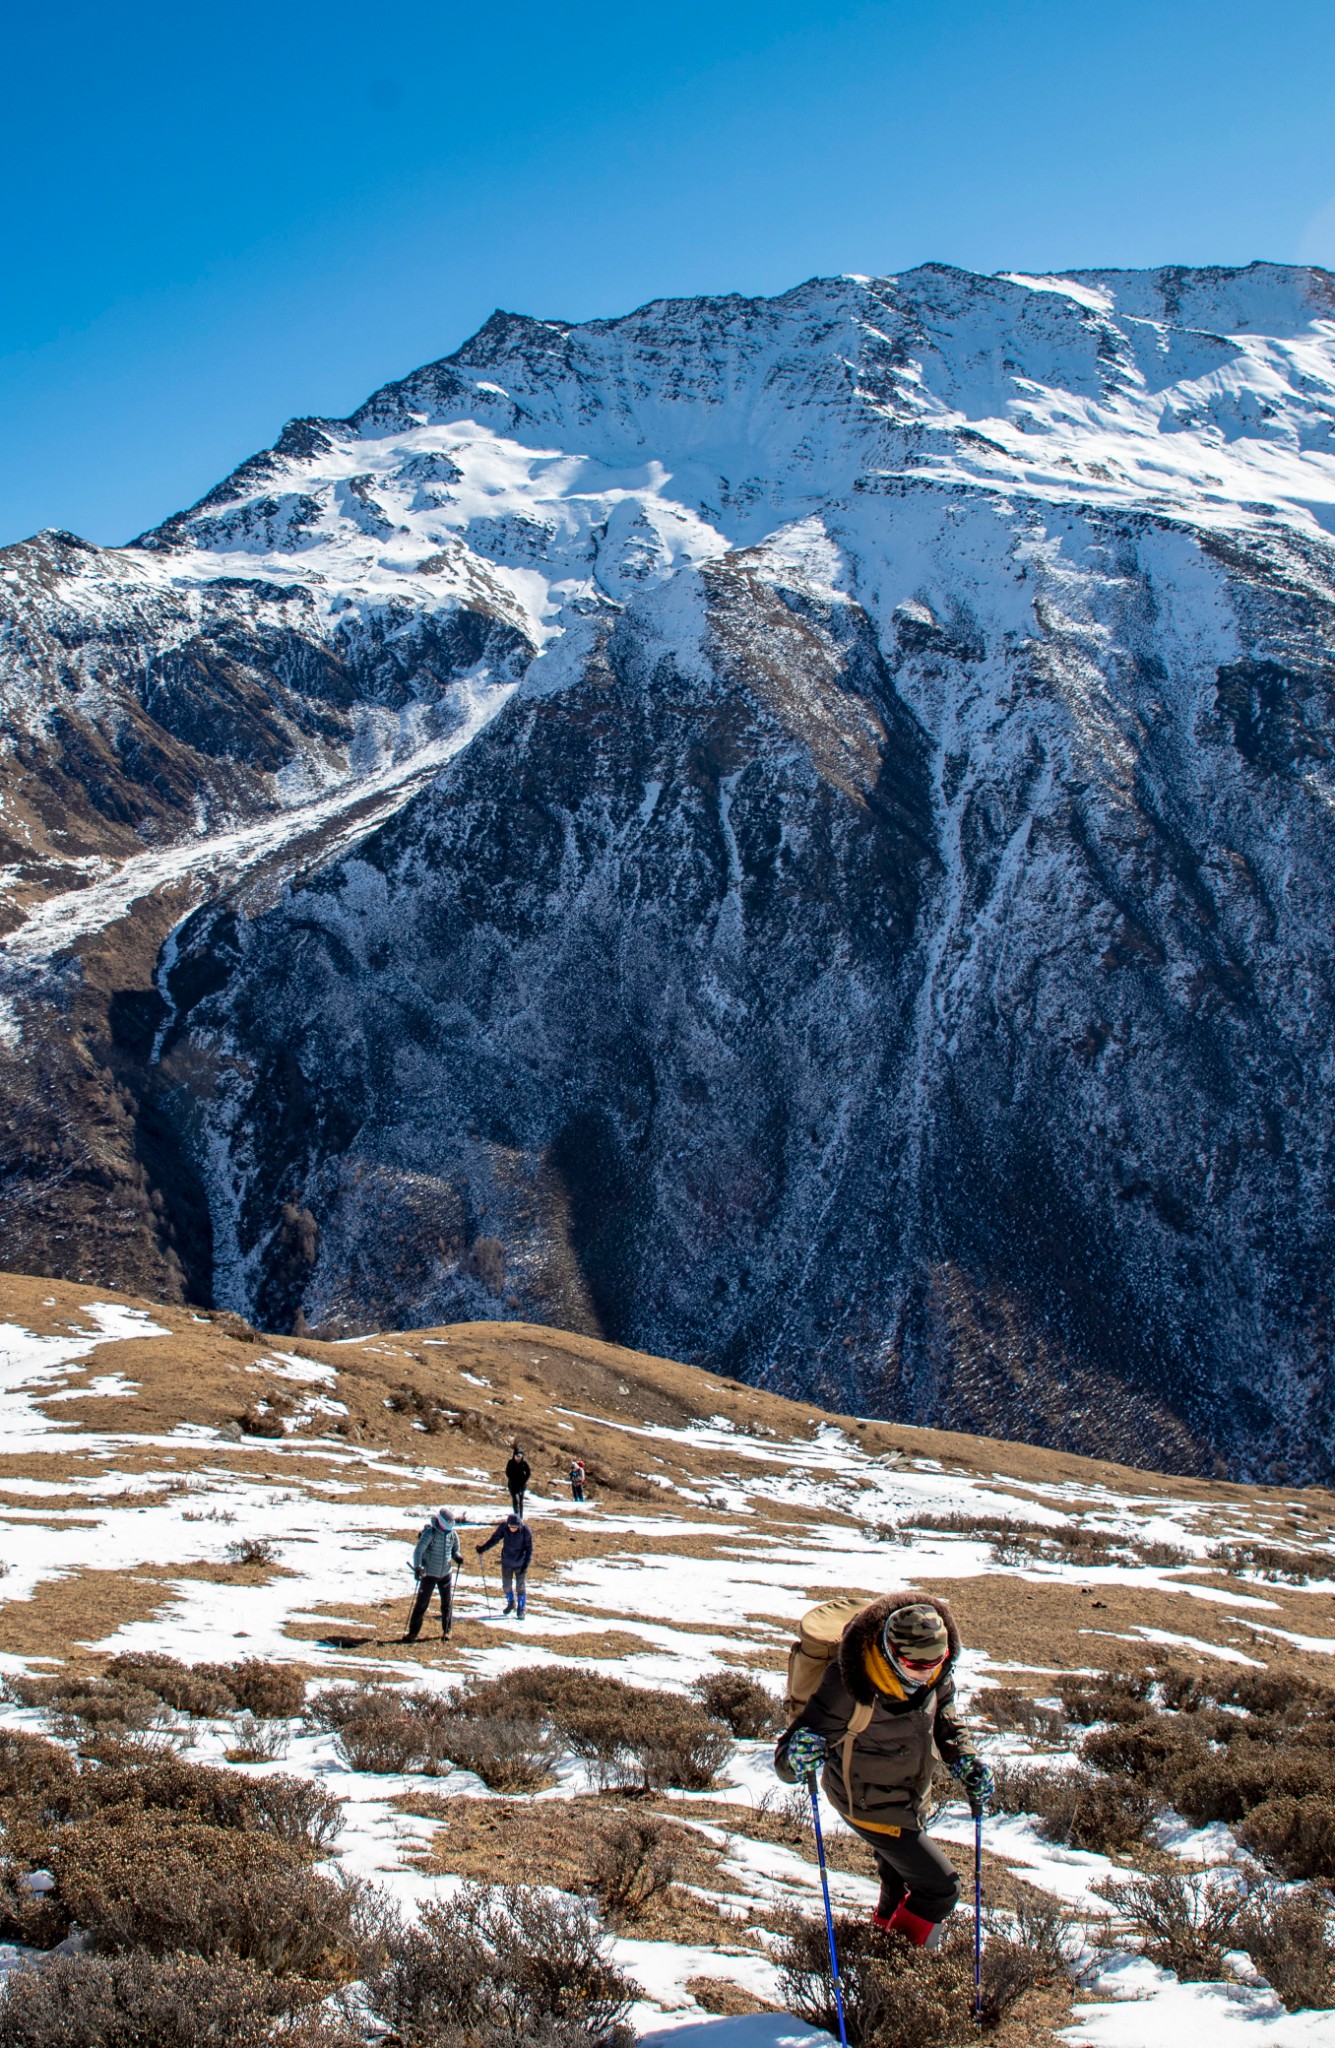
(577, 1479)
(516, 1541)
(518, 1472)
(885, 1700)
(438, 1550)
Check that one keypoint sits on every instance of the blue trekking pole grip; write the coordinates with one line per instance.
(829, 1916)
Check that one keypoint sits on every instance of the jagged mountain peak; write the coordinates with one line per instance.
(793, 832)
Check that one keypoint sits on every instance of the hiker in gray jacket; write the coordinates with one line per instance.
(437, 1552)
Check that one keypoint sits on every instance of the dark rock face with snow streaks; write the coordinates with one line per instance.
(802, 839)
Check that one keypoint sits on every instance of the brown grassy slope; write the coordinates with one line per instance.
(558, 1392)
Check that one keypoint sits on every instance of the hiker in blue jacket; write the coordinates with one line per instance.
(516, 1541)
(438, 1551)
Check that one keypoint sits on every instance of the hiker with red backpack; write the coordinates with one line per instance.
(873, 1694)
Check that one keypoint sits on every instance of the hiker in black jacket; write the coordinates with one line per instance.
(518, 1472)
(516, 1541)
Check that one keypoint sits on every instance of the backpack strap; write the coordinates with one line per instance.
(861, 1719)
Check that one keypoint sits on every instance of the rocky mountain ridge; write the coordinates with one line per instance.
(792, 833)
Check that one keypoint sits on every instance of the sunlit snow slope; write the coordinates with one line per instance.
(792, 832)
(133, 1464)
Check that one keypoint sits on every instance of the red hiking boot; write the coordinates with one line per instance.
(922, 1933)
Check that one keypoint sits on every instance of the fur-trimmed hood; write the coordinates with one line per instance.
(865, 1629)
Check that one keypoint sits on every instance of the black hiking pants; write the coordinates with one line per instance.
(426, 1586)
(517, 1500)
(911, 1867)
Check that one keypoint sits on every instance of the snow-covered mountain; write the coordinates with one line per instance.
(794, 832)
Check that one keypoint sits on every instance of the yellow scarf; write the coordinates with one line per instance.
(886, 1679)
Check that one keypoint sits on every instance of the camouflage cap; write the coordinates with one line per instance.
(916, 1632)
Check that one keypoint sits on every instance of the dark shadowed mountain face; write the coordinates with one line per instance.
(797, 834)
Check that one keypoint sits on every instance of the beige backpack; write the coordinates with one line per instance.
(819, 1634)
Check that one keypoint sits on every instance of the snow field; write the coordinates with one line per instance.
(690, 1588)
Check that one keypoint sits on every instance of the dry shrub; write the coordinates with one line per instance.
(630, 1736)
(46, 1793)
(1155, 1751)
(37, 1918)
(31, 1767)
(88, 1702)
(183, 1887)
(1297, 1836)
(1270, 1561)
(500, 1960)
(1289, 1938)
(381, 1729)
(740, 1702)
(1184, 1920)
(271, 1692)
(1227, 1786)
(1273, 1692)
(387, 1739)
(673, 1743)
(1087, 1546)
(257, 1742)
(898, 1996)
(1008, 1709)
(138, 2001)
(297, 1811)
(1082, 1809)
(261, 1422)
(1110, 1696)
(508, 1756)
(198, 1689)
(333, 1706)
(1041, 1924)
(1183, 1689)
(632, 1862)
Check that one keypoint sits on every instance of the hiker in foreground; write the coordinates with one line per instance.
(437, 1552)
(516, 1541)
(876, 1690)
(518, 1472)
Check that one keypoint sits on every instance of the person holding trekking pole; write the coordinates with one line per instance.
(437, 1553)
(883, 1699)
(518, 1472)
(516, 1541)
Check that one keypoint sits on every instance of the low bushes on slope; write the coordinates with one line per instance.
(629, 1735)
(43, 1789)
(132, 1690)
(741, 1703)
(1079, 1808)
(139, 1882)
(502, 1964)
(1289, 1937)
(897, 1996)
(1184, 1920)
(1256, 1751)
(138, 2001)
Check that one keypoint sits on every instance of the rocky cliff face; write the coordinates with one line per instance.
(795, 833)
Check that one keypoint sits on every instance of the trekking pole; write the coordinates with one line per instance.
(829, 1916)
(978, 1915)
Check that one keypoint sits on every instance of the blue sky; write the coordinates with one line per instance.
(217, 218)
